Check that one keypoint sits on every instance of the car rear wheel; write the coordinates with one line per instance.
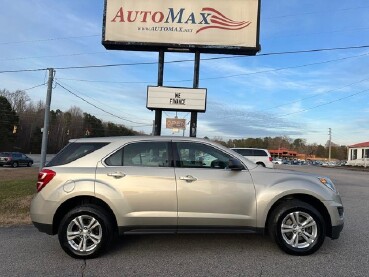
(85, 232)
(14, 164)
(29, 164)
(297, 227)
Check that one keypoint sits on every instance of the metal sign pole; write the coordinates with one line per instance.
(158, 112)
(196, 75)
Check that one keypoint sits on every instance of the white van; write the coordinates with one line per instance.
(257, 155)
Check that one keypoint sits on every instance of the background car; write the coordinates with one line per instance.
(256, 155)
(98, 187)
(277, 161)
(15, 159)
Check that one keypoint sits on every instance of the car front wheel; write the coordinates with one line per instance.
(297, 227)
(85, 232)
(14, 164)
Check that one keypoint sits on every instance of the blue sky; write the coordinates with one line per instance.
(295, 95)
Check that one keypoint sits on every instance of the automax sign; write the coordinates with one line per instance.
(175, 99)
(209, 26)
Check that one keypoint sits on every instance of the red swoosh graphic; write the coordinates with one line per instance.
(225, 20)
(230, 25)
(219, 27)
(220, 21)
(217, 12)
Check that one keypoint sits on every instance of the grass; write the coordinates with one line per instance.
(17, 187)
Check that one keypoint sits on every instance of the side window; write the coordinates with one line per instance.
(115, 159)
(260, 153)
(197, 155)
(245, 152)
(151, 154)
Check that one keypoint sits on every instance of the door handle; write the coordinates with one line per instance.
(188, 178)
(116, 175)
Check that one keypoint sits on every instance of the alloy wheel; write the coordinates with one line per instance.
(299, 229)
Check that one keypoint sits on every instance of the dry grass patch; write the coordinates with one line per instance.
(17, 187)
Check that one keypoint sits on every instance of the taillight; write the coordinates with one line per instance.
(44, 177)
(270, 159)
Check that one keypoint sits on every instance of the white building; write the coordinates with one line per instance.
(358, 154)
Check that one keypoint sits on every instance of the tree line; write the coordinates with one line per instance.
(338, 152)
(21, 121)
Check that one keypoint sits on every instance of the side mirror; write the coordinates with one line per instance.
(235, 164)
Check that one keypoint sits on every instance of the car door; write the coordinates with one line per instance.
(141, 175)
(18, 158)
(24, 159)
(209, 194)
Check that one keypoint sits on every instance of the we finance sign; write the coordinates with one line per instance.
(209, 26)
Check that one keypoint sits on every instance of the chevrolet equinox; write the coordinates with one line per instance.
(96, 188)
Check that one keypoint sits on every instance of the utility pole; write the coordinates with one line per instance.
(45, 132)
(329, 144)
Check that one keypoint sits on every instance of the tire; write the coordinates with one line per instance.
(297, 239)
(29, 164)
(260, 163)
(93, 240)
(14, 164)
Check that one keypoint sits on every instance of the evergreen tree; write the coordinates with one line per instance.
(8, 125)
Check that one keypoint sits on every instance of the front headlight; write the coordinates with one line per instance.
(328, 183)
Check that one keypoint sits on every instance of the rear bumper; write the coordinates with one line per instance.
(44, 228)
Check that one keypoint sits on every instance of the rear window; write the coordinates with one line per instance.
(4, 154)
(74, 151)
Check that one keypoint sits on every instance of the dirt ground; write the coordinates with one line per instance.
(20, 173)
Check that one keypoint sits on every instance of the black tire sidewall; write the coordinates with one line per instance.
(14, 164)
(101, 216)
(292, 206)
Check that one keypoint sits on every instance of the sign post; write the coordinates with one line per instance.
(159, 112)
(196, 75)
(206, 26)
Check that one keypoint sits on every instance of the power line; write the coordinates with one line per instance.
(191, 60)
(95, 99)
(227, 76)
(55, 56)
(119, 117)
(316, 95)
(34, 87)
(307, 109)
(316, 12)
(47, 39)
(324, 104)
(23, 70)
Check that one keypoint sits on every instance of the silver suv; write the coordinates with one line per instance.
(98, 187)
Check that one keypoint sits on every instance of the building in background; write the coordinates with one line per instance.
(358, 154)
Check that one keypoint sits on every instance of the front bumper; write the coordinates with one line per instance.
(336, 231)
